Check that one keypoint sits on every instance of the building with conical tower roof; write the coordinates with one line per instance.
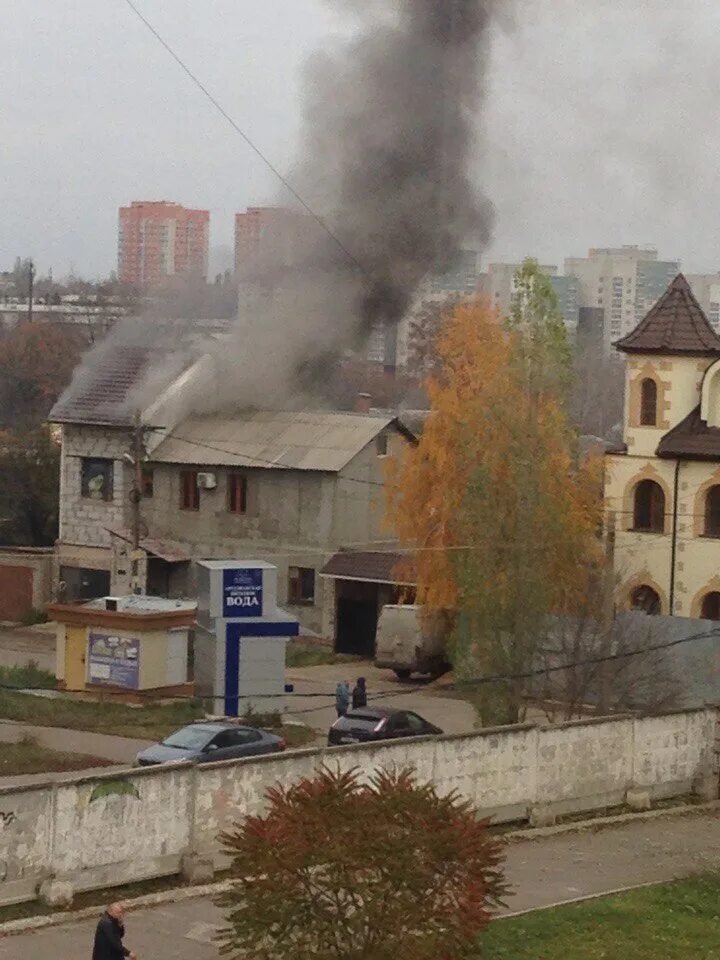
(662, 487)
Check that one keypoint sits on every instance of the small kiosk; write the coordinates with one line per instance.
(241, 637)
(131, 645)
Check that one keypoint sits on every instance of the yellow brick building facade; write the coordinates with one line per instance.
(662, 487)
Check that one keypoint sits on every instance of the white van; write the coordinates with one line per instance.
(408, 642)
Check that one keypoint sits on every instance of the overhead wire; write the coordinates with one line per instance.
(456, 686)
(247, 139)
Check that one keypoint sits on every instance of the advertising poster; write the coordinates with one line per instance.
(242, 593)
(114, 661)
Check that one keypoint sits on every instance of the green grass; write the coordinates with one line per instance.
(672, 921)
(151, 722)
(29, 757)
(27, 676)
(33, 616)
(308, 655)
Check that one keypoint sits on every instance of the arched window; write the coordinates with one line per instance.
(711, 606)
(712, 512)
(646, 599)
(648, 403)
(649, 507)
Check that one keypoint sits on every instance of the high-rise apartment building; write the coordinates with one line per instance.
(158, 239)
(271, 234)
(706, 288)
(567, 291)
(624, 281)
(460, 279)
(498, 283)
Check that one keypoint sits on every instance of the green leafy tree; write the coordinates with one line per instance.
(541, 344)
(339, 868)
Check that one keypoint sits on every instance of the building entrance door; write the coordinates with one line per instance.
(356, 625)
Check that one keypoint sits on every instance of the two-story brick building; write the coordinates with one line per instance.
(294, 488)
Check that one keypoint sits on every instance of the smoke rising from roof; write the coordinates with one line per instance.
(389, 139)
(388, 142)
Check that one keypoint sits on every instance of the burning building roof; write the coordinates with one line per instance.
(104, 395)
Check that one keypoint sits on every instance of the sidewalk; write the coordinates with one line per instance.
(542, 872)
(120, 750)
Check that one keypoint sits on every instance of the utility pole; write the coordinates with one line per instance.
(136, 459)
(138, 451)
(31, 284)
(608, 620)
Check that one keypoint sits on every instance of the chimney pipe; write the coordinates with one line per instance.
(362, 403)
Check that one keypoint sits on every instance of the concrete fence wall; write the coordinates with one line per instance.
(116, 828)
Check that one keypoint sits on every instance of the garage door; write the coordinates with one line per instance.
(16, 585)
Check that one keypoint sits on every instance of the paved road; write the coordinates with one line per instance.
(451, 715)
(543, 872)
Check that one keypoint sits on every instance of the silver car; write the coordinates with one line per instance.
(208, 742)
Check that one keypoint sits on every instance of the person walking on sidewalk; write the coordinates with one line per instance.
(109, 936)
(342, 698)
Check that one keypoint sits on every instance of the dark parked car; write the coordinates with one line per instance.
(207, 742)
(379, 723)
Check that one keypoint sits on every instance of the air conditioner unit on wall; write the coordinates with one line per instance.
(206, 481)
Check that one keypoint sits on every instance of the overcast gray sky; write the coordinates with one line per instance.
(601, 126)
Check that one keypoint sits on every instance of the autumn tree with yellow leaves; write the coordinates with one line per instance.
(503, 515)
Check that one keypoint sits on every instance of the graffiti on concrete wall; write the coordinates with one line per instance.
(115, 788)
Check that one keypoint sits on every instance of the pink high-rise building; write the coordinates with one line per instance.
(157, 240)
(268, 235)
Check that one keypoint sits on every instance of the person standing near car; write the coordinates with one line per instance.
(342, 698)
(359, 694)
(109, 936)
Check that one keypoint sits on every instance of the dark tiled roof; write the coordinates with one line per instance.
(691, 439)
(102, 394)
(675, 325)
(373, 565)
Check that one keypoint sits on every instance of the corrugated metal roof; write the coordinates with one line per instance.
(273, 440)
(169, 550)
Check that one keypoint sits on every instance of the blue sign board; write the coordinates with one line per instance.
(242, 593)
(114, 661)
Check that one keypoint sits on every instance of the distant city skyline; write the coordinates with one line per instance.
(596, 131)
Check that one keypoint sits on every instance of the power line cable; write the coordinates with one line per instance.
(458, 685)
(278, 464)
(250, 143)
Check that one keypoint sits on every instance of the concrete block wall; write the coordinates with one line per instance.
(83, 520)
(584, 764)
(94, 832)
